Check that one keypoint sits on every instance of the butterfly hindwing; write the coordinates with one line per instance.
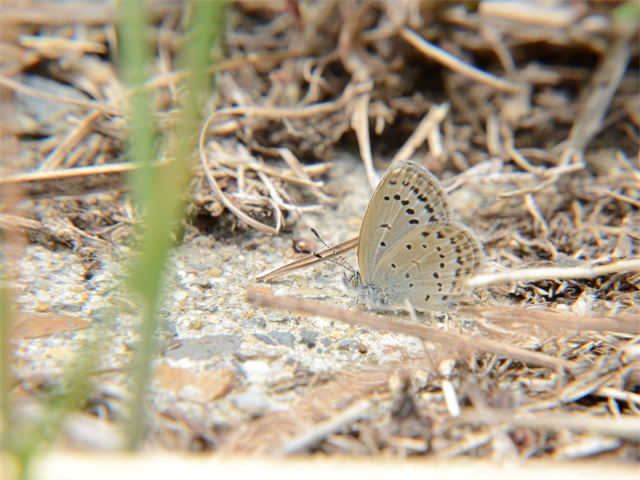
(429, 265)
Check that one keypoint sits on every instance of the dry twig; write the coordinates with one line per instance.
(554, 273)
(461, 342)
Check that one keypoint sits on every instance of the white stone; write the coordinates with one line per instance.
(256, 367)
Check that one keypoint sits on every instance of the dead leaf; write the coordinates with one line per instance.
(34, 325)
(200, 387)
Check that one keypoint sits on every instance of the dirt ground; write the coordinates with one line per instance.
(268, 358)
(532, 129)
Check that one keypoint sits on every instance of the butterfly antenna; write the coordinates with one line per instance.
(335, 253)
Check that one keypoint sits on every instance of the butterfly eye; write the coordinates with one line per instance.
(355, 282)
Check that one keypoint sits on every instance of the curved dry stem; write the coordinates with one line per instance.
(293, 163)
(360, 123)
(427, 125)
(458, 65)
(218, 191)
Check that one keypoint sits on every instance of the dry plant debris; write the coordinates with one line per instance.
(529, 113)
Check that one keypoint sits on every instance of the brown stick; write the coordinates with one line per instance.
(458, 65)
(553, 273)
(360, 124)
(551, 320)
(386, 324)
(604, 83)
(308, 260)
(27, 90)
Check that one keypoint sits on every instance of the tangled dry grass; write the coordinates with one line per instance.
(535, 114)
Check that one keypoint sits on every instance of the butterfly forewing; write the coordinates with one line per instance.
(408, 199)
(429, 264)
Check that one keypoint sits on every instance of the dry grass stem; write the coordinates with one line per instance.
(627, 427)
(624, 198)
(309, 260)
(70, 172)
(554, 273)
(457, 65)
(18, 87)
(57, 156)
(461, 342)
(555, 320)
(360, 123)
(430, 123)
(604, 83)
(531, 14)
(322, 430)
(54, 45)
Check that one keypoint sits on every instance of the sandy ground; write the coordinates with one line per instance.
(220, 359)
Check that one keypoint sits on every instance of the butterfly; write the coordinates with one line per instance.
(410, 248)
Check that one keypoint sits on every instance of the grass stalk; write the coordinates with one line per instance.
(160, 190)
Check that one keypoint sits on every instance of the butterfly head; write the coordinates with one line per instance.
(367, 294)
(352, 282)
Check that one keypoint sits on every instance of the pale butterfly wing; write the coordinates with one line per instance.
(409, 248)
(407, 198)
(429, 265)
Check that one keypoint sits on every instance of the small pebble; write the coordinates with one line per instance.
(215, 272)
(283, 338)
(256, 367)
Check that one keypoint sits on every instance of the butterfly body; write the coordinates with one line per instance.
(409, 246)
